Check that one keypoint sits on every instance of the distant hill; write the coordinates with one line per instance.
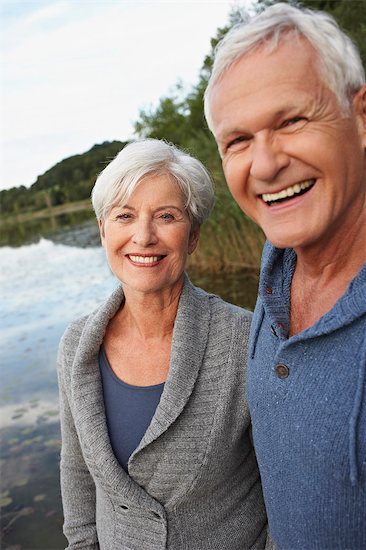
(69, 180)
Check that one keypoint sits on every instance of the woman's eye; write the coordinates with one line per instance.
(166, 216)
(124, 217)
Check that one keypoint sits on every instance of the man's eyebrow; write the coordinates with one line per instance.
(226, 134)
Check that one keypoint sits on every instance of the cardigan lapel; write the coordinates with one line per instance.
(88, 403)
(188, 346)
(190, 334)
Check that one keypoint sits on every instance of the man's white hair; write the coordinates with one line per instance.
(338, 61)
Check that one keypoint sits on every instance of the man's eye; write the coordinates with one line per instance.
(293, 121)
(240, 139)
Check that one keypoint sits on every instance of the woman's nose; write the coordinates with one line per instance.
(144, 233)
(268, 159)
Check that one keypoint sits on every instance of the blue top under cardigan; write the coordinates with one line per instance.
(128, 410)
(307, 400)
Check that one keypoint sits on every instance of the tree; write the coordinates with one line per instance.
(351, 17)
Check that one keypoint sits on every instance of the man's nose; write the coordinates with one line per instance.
(144, 233)
(268, 159)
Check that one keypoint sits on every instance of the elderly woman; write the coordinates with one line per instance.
(156, 448)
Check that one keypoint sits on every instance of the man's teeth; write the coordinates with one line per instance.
(289, 192)
(144, 259)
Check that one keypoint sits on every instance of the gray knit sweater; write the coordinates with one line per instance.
(193, 481)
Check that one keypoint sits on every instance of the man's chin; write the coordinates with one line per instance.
(285, 241)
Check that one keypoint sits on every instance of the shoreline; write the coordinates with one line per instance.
(53, 211)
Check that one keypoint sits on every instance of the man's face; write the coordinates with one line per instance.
(292, 160)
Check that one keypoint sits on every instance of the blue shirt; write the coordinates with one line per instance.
(129, 410)
(307, 401)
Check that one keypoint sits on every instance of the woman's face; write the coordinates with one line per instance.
(148, 239)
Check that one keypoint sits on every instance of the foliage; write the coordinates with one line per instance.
(349, 14)
(70, 180)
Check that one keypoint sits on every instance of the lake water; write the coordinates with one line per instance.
(43, 287)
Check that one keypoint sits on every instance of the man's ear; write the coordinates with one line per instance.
(101, 230)
(193, 239)
(359, 106)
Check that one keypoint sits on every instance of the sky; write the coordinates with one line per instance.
(77, 72)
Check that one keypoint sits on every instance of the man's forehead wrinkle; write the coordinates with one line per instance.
(271, 119)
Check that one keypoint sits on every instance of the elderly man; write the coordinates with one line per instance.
(287, 105)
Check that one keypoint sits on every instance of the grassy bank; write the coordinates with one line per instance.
(67, 208)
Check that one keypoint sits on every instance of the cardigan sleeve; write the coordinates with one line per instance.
(77, 485)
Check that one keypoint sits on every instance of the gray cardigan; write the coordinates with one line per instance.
(193, 481)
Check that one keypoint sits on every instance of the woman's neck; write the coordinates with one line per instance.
(149, 315)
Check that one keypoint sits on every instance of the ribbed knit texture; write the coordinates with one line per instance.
(309, 428)
(193, 482)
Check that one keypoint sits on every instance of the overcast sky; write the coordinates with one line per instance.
(77, 72)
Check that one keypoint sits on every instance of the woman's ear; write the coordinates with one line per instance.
(101, 230)
(193, 239)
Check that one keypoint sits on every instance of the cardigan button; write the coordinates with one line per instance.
(156, 514)
(124, 507)
(282, 371)
(273, 330)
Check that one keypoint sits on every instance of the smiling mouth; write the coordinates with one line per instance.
(290, 192)
(145, 260)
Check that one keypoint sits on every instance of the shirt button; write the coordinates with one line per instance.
(268, 290)
(282, 370)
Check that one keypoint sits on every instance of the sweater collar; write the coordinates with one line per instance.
(188, 345)
(278, 266)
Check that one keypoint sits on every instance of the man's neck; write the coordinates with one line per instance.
(323, 274)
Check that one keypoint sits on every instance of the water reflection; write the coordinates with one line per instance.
(15, 233)
(43, 287)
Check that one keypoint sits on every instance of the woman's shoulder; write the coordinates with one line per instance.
(94, 322)
(225, 315)
(222, 309)
(74, 330)
(229, 308)
(228, 325)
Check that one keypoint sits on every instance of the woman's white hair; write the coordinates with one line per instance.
(338, 60)
(150, 157)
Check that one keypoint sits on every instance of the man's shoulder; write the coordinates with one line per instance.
(273, 255)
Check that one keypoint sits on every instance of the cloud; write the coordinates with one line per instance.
(48, 12)
(82, 70)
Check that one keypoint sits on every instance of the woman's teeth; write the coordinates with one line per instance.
(297, 189)
(145, 259)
